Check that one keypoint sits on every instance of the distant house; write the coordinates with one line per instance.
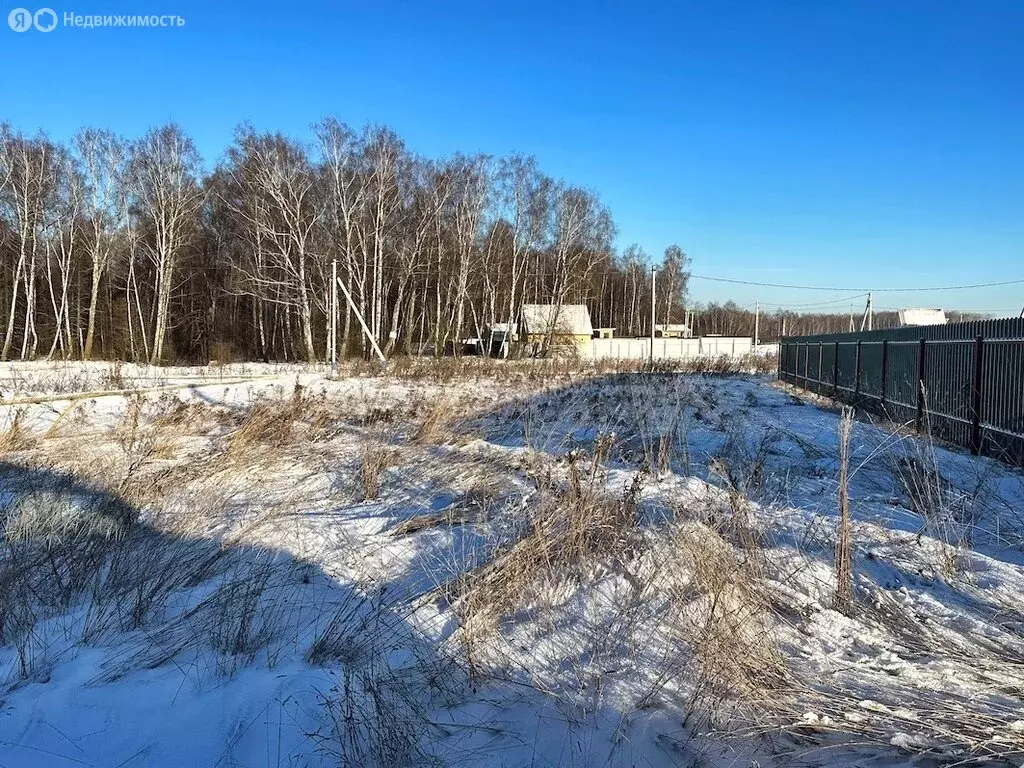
(673, 331)
(915, 317)
(568, 324)
(500, 336)
(604, 333)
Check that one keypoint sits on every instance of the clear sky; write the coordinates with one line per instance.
(856, 143)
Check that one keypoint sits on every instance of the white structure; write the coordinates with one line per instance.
(673, 331)
(568, 324)
(668, 349)
(914, 317)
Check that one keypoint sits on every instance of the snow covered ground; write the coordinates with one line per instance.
(522, 566)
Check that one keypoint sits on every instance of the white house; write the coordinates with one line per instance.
(568, 324)
(915, 317)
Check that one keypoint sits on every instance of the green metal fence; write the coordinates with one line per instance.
(962, 382)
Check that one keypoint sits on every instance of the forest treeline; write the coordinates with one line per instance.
(134, 249)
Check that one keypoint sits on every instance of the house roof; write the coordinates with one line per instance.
(569, 319)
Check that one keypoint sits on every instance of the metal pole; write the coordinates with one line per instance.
(856, 376)
(922, 347)
(757, 323)
(885, 365)
(654, 274)
(334, 317)
(835, 372)
(821, 360)
(976, 390)
(871, 311)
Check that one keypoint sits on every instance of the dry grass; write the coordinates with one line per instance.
(473, 506)
(571, 532)
(438, 422)
(721, 609)
(743, 477)
(694, 601)
(194, 585)
(691, 604)
(544, 371)
(844, 535)
(267, 424)
(16, 437)
(376, 459)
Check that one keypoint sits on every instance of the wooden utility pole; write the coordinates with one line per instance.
(654, 274)
(362, 322)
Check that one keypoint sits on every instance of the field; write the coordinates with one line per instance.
(500, 564)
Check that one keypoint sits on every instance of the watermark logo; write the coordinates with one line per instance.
(45, 20)
(22, 20)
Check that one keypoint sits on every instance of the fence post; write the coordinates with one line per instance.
(856, 375)
(821, 360)
(976, 388)
(919, 420)
(835, 372)
(885, 366)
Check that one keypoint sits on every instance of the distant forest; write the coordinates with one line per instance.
(133, 249)
(729, 319)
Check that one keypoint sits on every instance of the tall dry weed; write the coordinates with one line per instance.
(844, 533)
(16, 436)
(375, 461)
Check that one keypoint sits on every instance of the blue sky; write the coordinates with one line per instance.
(823, 142)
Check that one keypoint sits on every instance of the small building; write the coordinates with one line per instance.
(673, 331)
(568, 324)
(500, 337)
(467, 347)
(604, 333)
(917, 317)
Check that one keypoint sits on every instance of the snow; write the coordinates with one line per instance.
(353, 653)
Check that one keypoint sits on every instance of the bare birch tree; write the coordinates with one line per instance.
(28, 181)
(164, 177)
(281, 214)
(345, 191)
(64, 235)
(102, 158)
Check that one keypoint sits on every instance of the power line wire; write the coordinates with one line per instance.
(955, 309)
(814, 304)
(847, 288)
(428, 270)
